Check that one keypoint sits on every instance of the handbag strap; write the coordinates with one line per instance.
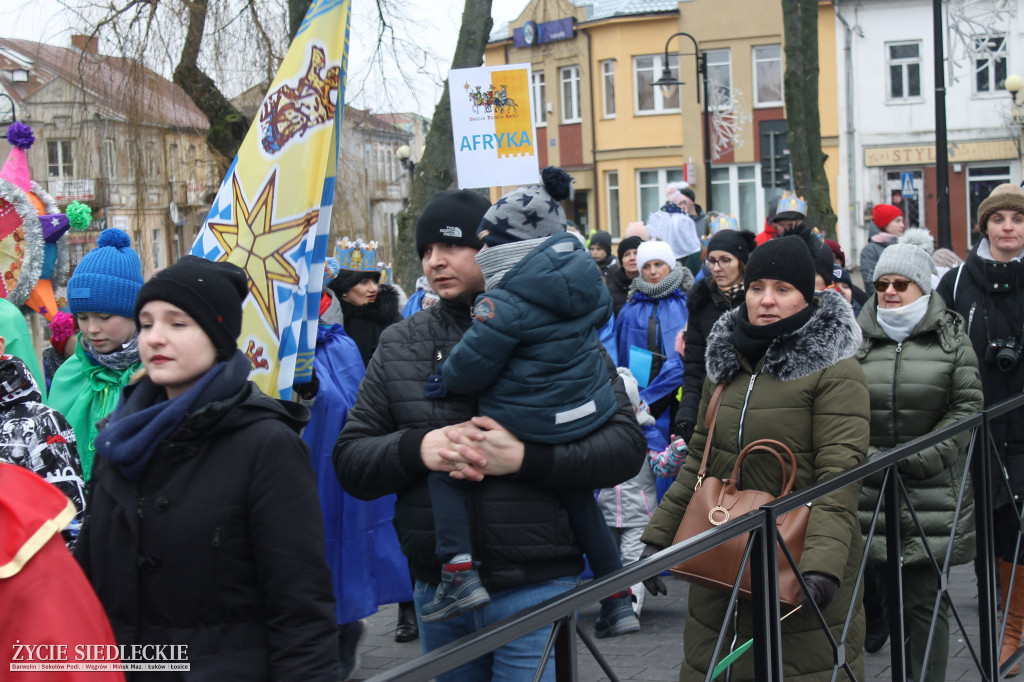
(710, 418)
(776, 448)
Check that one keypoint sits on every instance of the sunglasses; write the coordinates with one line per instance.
(899, 285)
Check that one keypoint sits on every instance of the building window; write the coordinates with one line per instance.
(152, 161)
(981, 180)
(989, 63)
(608, 81)
(768, 76)
(648, 99)
(59, 161)
(538, 98)
(651, 186)
(110, 158)
(904, 70)
(736, 190)
(611, 181)
(157, 238)
(912, 206)
(719, 72)
(172, 163)
(570, 76)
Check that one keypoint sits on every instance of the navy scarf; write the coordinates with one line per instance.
(145, 418)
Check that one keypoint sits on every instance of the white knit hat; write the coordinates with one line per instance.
(910, 257)
(654, 250)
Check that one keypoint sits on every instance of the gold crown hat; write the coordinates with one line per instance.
(715, 223)
(356, 255)
(385, 272)
(790, 207)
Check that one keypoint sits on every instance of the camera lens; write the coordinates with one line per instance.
(1006, 359)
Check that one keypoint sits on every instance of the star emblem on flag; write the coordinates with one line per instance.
(258, 244)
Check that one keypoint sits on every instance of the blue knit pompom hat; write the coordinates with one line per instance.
(108, 278)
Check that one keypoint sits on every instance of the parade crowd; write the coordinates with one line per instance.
(538, 410)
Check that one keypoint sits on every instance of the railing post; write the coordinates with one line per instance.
(566, 665)
(764, 579)
(981, 477)
(894, 572)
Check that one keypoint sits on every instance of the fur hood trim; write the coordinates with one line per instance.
(832, 334)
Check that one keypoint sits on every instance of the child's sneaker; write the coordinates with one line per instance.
(617, 617)
(457, 593)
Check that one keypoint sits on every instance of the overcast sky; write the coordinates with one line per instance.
(427, 30)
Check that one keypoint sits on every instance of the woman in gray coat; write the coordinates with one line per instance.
(922, 375)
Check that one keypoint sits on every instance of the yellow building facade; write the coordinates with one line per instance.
(627, 141)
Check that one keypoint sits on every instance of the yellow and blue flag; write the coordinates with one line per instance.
(272, 213)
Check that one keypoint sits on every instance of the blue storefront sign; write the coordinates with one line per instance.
(532, 33)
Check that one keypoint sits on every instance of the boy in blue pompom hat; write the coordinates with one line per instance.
(534, 357)
(101, 296)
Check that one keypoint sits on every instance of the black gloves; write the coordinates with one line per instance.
(655, 585)
(683, 430)
(821, 590)
(308, 390)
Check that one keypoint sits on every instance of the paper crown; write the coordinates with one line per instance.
(385, 272)
(331, 267)
(791, 202)
(356, 255)
(715, 223)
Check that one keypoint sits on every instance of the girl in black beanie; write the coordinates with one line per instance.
(205, 528)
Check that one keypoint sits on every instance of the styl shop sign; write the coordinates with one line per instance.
(492, 126)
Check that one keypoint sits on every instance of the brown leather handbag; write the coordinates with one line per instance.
(717, 501)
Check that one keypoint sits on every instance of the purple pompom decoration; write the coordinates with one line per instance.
(20, 135)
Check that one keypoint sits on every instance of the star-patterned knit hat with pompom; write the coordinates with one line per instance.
(529, 212)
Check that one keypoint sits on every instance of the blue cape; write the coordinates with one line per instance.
(368, 568)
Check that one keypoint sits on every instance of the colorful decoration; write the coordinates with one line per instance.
(79, 215)
(33, 254)
(715, 223)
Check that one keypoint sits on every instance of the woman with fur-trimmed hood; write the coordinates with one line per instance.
(368, 307)
(786, 355)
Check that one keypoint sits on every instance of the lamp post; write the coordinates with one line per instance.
(404, 154)
(668, 84)
(1013, 85)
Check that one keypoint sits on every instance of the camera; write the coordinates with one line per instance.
(1004, 353)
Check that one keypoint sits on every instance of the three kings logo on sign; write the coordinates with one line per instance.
(492, 126)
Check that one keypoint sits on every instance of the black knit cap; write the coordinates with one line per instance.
(451, 217)
(211, 293)
(784, 258)
(347, 279)
(602, 239)
(627, 244)
(738, 243)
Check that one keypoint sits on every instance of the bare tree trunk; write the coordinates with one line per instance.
(296, 13)
(810, 180)
(228, 126)
(436, 170)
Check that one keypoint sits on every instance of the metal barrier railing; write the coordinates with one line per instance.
(761, 553)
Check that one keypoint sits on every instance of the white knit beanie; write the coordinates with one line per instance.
(910, 257)
(654, 250)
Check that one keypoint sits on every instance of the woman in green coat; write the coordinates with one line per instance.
(922, 376)
(101, 296)
(787, 357)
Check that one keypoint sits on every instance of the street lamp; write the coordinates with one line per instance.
(668, 84)
(1013, 85)
(4, 121)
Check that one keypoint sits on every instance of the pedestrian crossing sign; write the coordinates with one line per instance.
(907, 185)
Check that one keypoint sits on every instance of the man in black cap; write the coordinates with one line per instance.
(405, 424)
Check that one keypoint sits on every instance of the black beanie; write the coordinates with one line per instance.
(824, 262)
(784, 258)
(346, 279)
(627, 244)
(737, 243)
(451, 217)
(602, 239)
(211, 293)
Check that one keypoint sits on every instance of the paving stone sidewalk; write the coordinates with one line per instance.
(655, 652)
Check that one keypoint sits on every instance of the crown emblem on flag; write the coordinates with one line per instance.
(791, 202)
(356, 255)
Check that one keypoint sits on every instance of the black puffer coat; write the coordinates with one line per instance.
(618, 286)
(364, 324)
(220, 546)
(706, 303)
(520, 530)
(985, 291)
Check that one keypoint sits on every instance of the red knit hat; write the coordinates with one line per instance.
(883, 214)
